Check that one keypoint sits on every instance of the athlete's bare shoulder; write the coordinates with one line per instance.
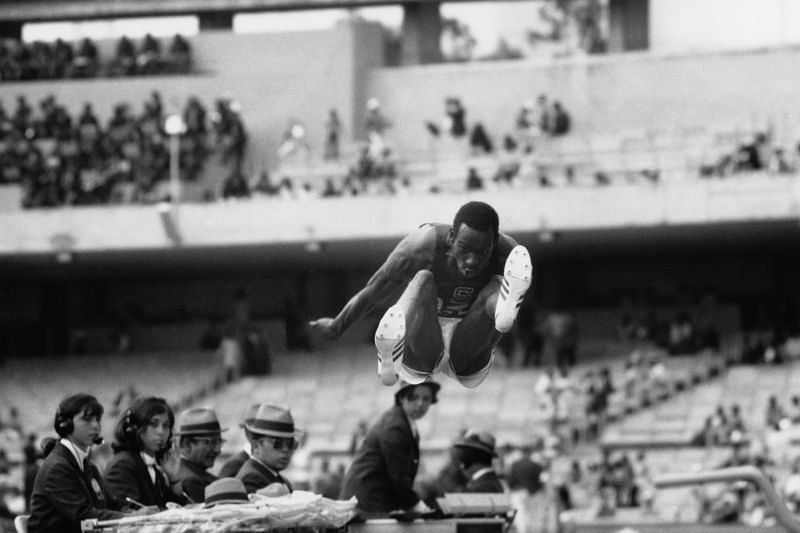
(505, 244)
(415, 252)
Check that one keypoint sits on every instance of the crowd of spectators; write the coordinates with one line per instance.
(39, 60)
(64, 160)
(757, 152)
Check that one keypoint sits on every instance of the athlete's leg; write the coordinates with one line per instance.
(492, 314)
(475, 336)
(409, 334)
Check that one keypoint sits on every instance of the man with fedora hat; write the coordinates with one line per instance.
(199, 442)
(382, 473)
(474, 453)
(231, 467)
(274, 439)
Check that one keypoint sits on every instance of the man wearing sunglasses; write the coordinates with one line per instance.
(199, 442)
(274, 439)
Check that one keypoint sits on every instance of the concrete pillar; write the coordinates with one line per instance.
(629, 25)
(215, 20)
(421, 33)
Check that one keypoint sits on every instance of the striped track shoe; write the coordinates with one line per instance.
(517, 276)
(390, 340)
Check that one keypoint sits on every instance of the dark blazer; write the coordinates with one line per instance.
(382, 474)
(194, 480)
(233, 464)
(484, 481)
(256, 476)
(63, 495)
(127, 476)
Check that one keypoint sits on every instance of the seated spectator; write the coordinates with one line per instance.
(455, 118)
(474, 453)
(179, 56)
(479, 141)
(124, 63)
(61, 496)
(144, 468)
(87, 61)
(230, 134)
(274, 440)
(148, 59)
(561, 120)
(200, 442)
(333, 128)
(375, 125)
(62, 59)
(235, 186)
(474, 181)
(775, 414)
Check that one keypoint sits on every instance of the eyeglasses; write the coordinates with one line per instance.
(281, 443)
(210, 441)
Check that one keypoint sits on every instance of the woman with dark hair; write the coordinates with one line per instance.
(68, 487)
(382, 473)
(144, 468)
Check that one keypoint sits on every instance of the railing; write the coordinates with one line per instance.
(739, 473)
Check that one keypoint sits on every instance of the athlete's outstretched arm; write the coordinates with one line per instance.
(412, 254)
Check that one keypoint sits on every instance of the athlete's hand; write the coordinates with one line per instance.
(325, 327)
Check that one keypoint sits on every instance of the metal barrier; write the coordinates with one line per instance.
(739, 473)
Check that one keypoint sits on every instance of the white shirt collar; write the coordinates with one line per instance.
(76, 452)
(262, 463)
(150, 463)
(481, 472)
(148, 459)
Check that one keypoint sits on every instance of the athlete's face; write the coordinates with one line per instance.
(471, 250)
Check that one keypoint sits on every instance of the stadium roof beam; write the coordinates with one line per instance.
(48, 10)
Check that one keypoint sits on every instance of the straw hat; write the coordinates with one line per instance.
(198, 421)
(272, 421)
(250, 414)
(225, 490)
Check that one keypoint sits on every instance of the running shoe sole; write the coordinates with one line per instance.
(390, 340)
(517, 276)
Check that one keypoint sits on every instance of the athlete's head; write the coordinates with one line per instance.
(473, 237)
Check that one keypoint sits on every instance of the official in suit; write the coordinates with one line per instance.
(475, 452)
(382, 473)
(68, 487)
(144, 468)
(231, 467)
(274, 439)
(199, 443)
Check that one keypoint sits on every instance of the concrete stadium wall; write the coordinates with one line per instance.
(635, 91)
(275, 221)
(685, 24)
